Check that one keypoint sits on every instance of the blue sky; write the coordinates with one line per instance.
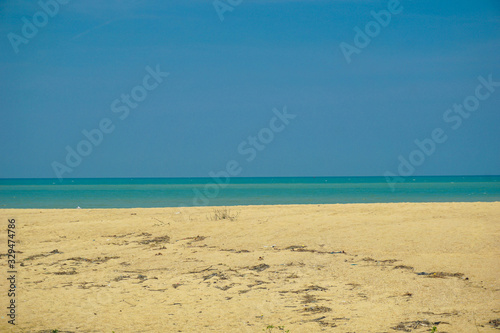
(226, 77)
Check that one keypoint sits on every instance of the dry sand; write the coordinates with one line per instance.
(178, 270)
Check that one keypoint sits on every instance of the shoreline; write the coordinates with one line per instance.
(312, 267)
(265, 205)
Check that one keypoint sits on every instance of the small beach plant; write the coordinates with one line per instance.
(223, 214)
(434, 329)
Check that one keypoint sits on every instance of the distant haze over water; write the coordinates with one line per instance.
(183, 192)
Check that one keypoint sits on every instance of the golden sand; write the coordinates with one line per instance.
(310, 268)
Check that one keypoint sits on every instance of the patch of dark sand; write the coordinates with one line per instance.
(259, 268)
(97, 260)
(71, 272)
(317, 309)
(495, 323)
(155, 241)
(409, 326)
(302, 248)
(42, 255)
(404, 267)
(386, 261)
(441, 275)
(235, 251)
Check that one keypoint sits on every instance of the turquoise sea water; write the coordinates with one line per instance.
(172, 192)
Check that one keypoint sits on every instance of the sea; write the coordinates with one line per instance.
(188, 192)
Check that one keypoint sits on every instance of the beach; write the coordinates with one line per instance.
(389, 267)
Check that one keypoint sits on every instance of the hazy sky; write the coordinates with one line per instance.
(359, 80)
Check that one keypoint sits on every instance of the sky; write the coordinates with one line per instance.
(252, 88)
